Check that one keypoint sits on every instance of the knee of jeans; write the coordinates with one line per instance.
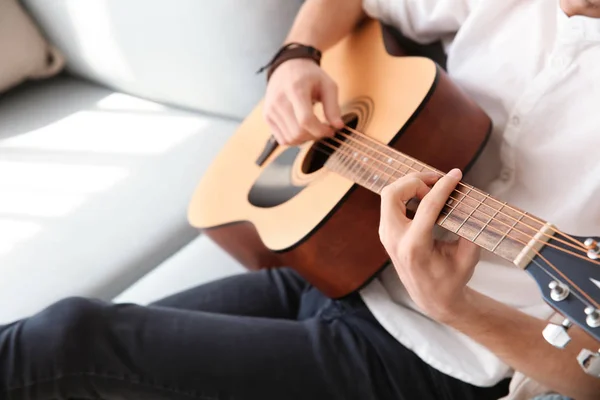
(64, 329)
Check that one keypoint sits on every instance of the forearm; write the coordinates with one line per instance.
(516, 338)
(322, 23)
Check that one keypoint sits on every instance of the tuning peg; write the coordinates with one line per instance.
(593, 248)
(558, 291)
(590, 362)
(557, 335)
(593, 317)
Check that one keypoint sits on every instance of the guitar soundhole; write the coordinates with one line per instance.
(275, 184)
(321, 150)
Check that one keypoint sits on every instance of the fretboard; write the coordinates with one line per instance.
(478, 217)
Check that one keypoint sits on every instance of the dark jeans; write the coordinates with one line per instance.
(265, 335)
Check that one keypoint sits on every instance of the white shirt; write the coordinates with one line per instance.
(536, 73)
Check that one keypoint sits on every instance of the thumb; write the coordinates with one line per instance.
(467, 254)
(331, 108)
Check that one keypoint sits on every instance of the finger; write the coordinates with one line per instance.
(432, 204)
(305, 116)
(396, 187)
(395, 196)
(273, 128)
(279, 129)
(293, 131)
(331, 107)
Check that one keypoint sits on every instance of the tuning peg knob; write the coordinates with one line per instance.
(558, 291)
(593, 248)
(557, 335)
(593, 317)
(590, 362)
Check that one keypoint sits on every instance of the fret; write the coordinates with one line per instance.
(417, 166)
(455, 207)
(487, 196)
(403, 164)
(345, 166)
(369, 166)
(420, 167)
(351, 155)
(411, 167)
(470, 214)
(337, 158)
(396, 172)
(391, 161)
(447, 216)
(374, 176)
(508, 231)
(381, 174)
(392, 174)
(414, 166)
(388, 160)
(355, 160)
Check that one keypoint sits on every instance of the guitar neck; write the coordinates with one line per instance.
(470, 213)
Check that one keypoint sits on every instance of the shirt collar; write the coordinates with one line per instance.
(577, 28)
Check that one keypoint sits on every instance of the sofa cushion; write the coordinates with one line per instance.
(94, 189)
(209, 50)
(199, 262)
(24, 52)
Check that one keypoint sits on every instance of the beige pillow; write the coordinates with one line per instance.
(24, 53)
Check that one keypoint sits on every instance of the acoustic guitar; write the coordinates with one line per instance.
(315, 207)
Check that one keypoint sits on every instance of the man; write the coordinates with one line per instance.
(443, 322)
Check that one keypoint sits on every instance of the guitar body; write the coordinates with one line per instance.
(290, 212)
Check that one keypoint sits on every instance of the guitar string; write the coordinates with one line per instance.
(458, 201)
(512, 228)
(590, 302)
(475, 208)
(577, 245)
(480, 202)
(471, 188)
(414, 160)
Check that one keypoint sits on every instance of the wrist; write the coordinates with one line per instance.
(292, 51)
(463, 309)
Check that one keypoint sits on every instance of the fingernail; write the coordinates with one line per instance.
(455, 173)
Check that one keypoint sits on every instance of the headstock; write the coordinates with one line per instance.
(569, 280)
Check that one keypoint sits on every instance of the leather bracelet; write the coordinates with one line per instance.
(289, 52)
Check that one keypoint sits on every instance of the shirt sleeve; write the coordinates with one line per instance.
(424, 21)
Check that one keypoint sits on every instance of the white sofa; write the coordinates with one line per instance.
(97, 165)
